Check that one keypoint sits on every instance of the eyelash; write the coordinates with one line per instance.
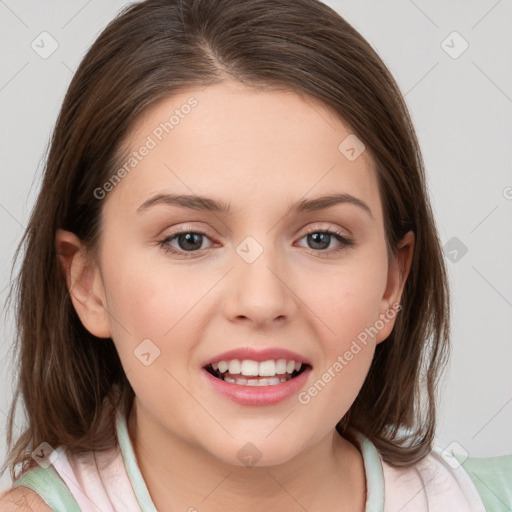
(345, 241)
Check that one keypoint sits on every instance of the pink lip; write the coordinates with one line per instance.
(257, 355)
(257, 395)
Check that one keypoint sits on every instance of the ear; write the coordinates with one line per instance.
(398, 271)
(84, 283)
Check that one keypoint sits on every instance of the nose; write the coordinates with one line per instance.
(260, 291)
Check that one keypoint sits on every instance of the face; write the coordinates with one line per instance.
(255, 322)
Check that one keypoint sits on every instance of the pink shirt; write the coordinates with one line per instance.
(111, 481)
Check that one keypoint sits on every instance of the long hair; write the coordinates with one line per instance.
(72, 382)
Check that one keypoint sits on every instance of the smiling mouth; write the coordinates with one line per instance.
(253, 373)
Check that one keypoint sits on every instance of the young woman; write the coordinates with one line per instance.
(233, 295)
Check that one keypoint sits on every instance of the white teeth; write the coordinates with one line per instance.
(234, 367)
(267, 368)
(249, 368)
(281, 366)
(256, 382)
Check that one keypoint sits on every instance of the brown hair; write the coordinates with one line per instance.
(152, 50)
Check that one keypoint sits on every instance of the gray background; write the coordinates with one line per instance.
(461, 108)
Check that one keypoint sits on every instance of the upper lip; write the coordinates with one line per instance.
(257, 354)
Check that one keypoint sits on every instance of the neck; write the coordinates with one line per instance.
(327, 476)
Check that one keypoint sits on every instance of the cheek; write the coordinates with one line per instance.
(149, 299)
(351, 308)
(347, 299)
(348, 348)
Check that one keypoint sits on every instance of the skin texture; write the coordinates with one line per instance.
(259, 150)
(22, 499)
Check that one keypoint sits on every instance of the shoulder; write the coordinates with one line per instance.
(39, 489)
(492, 477)
(22, 499)
(437, 482)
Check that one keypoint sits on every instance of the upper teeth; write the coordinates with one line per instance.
(249, 367)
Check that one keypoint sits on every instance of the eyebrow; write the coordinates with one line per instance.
(207, 204)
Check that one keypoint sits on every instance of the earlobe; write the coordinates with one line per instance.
(84, 282)
(398, 272)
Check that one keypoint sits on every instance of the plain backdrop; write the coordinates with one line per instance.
(452, 63)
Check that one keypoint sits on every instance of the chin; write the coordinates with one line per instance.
(266, 452)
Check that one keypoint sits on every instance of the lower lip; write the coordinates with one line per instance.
(258, 395)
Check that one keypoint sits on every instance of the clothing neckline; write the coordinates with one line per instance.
(371, 459)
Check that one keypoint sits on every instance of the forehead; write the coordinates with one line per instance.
(248, 147)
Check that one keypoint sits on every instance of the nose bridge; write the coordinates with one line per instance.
(260, 290)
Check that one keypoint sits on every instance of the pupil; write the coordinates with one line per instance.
(315, 238)
(188, 238)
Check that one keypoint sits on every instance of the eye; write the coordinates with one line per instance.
(187, 241)
(321, 239)
(190, 242)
